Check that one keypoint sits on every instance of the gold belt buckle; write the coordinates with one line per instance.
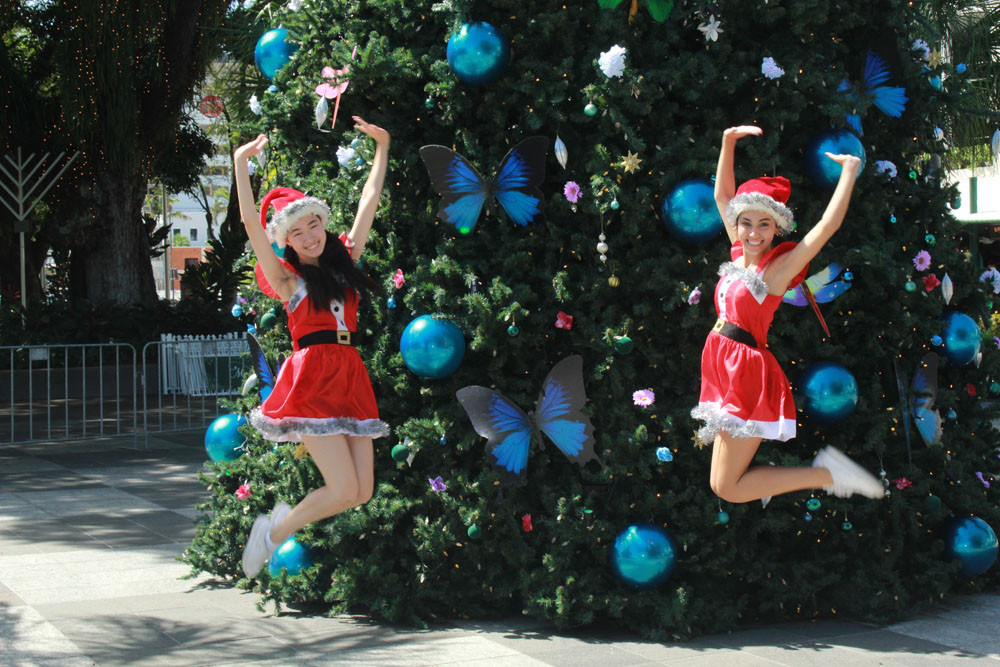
(719, 323)
(343, 337)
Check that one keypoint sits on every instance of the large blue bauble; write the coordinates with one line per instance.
(961, 338)
(820, 169)
(273, 51)
(972, 541)
(829, 392)
(690, 213)
(290, 555)
(432, 348)
(223, 439)
(478, 53)
(643, 555)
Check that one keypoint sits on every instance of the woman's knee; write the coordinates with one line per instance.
(724, 490)
(365, 491)
(341, 496)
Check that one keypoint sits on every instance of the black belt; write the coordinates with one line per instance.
(730, 330)
(328, 337)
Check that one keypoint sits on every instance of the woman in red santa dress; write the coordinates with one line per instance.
(322, 396)
(745, 396)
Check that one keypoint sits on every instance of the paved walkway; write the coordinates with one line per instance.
(89, 532)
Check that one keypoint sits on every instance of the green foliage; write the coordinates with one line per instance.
(407, 555)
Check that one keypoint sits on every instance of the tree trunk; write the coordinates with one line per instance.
(119, 269)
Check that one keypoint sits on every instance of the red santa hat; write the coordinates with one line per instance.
(289, 205)
(768, 194)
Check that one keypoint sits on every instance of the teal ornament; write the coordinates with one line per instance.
(910, 286)
(400, 453)
(624, 345)
(390, 303)
(359, 161)
(935, 82)
(268, 321)
(846, 526)
(820, 169)
(932, 504)
(892, 219)
(590, 110)
(956, 203)
(813, 504)
(690, 213)
(273, 51)
(513, 331)
(615, 205)
(223, 440)
(272, 88)
(829, 392)
(442, 441)
(971, 541)
(355, 142)
(291, 556)
(961, 338)
(807, 517)
(237, 310)
(848, 276)
(251, 329)
(930, 239)
(643, 555)
(432, 348)
(995, 387)
(912, 175)
(429, 103)
(478, 53)
(474, 532)
(952, 414)
(722, 517)
(664, 454)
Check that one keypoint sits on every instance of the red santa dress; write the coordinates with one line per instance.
(743, 390)
(320, 389)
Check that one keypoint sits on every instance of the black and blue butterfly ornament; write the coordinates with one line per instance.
(891, 100)
(558, 414)
(263, 374)
(464, 191)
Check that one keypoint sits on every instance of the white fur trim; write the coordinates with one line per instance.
(758, 201)
(291, 429)
(717, 419)
(282, 220)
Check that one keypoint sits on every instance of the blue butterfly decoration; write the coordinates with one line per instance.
(825, 285)
(265, 374)
(890, 99)
(558, 414)
(464, 191)
(926, 416)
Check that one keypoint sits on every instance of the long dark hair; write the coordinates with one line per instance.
(335, 273)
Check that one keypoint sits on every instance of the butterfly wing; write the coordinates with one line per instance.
(265, 374)
(659, 9)
(463, 191)
(822, 285)
(890, 99)
(559, 413)
(520, 173)
(505, 426)
(926, 416)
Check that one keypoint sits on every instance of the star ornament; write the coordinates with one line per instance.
(711, 29)
(630, 162)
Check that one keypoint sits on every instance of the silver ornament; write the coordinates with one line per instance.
(602, 247)
(947, 289)
(604, 258)
(249, 384)
(995, 147)
(322, 112)
(562, 155)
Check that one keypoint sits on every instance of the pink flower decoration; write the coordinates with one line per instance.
(922, 261)
(526, 523)
(398, 279)
(930, 282)
(243, 492)
(572, 192)
(983, 479)
(564, 321)
(643, 398)
(902, 483)
(694, 297)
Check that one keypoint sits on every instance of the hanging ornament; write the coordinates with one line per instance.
(321, 112)
(722, 517)
(846, 526)
(614, 204)
(391, 303)
(513, 331)
(613, 281)
(400, 453)
(995, 148)
(630, 162)
(602, 247)
(813, 504)
(590, 110)
(474, 532)
(624, 345)
(947, 288)
(562, 155)
(930, 239)
(910, 286)
(429, 103)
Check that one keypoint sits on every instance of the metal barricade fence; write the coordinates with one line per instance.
(67, 392)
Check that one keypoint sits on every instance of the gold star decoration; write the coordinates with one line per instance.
(698, 442)
(300, 451)
(935, 59)
(630, 162)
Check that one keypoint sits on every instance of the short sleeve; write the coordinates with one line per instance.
(736, 251)
(348, 243)
(780, 250)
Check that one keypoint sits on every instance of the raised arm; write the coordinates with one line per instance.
(373, 187)
(276, 275)
(725, 179)
(780, 274)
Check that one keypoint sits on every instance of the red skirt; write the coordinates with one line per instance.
(320, 390)
(743, 392)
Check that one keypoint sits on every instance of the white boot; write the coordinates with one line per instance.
(848, 476)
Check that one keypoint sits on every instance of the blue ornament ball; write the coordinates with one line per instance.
(973, 542)
(820, 169)
(829, 392)
(273, 51)
(643, 555)
(391, 303)
(432, 348)
(722, 517)
(478, 53)
(290, 555)
(690, 213)
(961, 338)
(223, 440)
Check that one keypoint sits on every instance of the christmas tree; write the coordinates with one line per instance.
(635, 99)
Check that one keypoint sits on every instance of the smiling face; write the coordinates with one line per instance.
(307, 237)
(756, 230)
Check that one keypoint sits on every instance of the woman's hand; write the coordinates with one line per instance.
(741, 131)
(846, 162)
(374, 131)
(246, 151)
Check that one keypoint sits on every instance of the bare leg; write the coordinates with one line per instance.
(733, 480)
(363, 455)
(332, 455)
